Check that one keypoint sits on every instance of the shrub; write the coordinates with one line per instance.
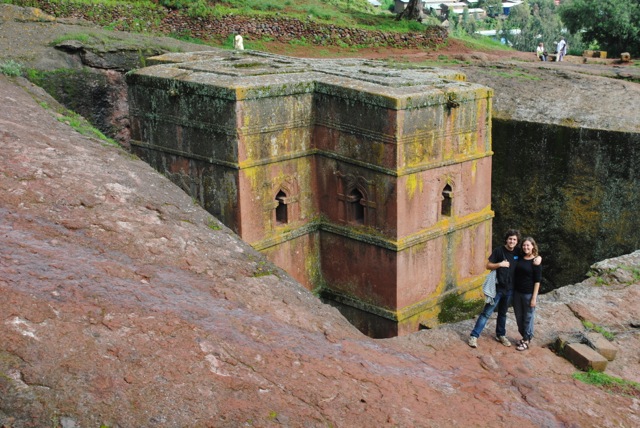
(11, 68)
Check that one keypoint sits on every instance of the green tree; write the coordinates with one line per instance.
(493, 7)
(514, 31)
(468, 22)
(536, 21)
(413, 11)
(614, 25)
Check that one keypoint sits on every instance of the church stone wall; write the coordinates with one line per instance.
(361, 275)
(274, 128)
(298, 256)
(259, 187)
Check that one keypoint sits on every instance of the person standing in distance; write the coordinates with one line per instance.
(540, 52)
(504, 260)
(561, 49)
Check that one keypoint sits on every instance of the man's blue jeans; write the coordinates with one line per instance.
(501, 303)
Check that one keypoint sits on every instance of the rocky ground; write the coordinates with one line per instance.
(124, 304)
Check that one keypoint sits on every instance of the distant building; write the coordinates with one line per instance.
(401, 5)
(508, 5)
(441, 8)
(494, 34)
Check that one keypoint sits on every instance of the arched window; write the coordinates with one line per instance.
(356, 200)
(281, 210)
(355, 207)
(445, 208)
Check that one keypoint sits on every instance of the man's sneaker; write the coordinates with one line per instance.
(503, 340)
(473, 342)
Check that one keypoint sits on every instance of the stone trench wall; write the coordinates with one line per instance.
(575, 190)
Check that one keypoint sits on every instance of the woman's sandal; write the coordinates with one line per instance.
(523, 345)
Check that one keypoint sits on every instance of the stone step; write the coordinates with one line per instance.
(585, 358)
(600, 343)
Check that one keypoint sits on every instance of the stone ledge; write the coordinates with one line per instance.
(601, 345)
(585, 358)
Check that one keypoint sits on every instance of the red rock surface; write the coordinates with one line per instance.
(121, 305)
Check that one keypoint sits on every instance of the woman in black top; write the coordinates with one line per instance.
(525, 294)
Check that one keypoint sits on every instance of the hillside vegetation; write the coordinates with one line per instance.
(195, 21)
(144, 15)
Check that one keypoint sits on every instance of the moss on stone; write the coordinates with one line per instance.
(454, 308)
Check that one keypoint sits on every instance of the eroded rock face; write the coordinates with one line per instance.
(80, 64)
(126, 304)
(578, 186)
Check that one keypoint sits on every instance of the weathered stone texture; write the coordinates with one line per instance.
(581, 187)
(582, 312)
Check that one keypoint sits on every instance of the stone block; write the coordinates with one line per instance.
(601, 345)
(594, 54)
(563, 340)
(585, 358)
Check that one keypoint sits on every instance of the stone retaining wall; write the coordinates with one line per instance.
(288, 29)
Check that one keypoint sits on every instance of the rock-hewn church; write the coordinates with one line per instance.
(368, 183)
